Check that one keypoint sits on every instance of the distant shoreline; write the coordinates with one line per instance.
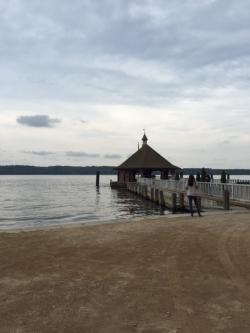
(55, 170)
(91, 170)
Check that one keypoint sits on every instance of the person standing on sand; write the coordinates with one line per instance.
(192, 194)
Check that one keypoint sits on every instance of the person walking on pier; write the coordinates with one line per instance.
(192, 195)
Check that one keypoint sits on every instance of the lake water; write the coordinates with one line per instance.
(46, 201)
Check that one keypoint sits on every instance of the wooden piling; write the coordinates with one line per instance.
(161, 199)
(97, 178)
(139, 190)
(174, 201)
(182, 201)
(156, 198)
(226, 200)
(152, 194)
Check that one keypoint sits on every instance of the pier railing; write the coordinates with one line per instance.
(237, 191)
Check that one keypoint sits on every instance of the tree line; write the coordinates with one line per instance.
(55, 170)
(105, 170)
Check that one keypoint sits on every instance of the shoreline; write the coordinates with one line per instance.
(210, 212)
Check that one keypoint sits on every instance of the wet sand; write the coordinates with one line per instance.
(173, 275)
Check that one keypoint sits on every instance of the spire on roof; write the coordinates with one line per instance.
(144, 138)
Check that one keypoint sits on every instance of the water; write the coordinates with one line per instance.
(232, 177)
(237, 177)
(46, 201)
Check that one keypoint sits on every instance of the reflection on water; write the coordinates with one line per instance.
(130, 203)
(41, 201)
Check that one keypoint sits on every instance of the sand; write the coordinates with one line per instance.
(172, 275)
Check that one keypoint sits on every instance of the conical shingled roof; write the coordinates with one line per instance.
(146, 158)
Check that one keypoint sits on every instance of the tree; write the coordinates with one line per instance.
(223, 177)
(203, 174)
(177, 176)
(198, 177)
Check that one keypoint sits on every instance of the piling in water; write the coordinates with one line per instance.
(156, 196)
(97, 178)
(161, 199)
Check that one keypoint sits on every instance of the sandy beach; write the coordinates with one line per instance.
(173, 275)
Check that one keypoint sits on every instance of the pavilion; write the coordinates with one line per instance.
(144, 162)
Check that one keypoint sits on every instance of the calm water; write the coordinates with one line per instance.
(44, 201)
(238, 177)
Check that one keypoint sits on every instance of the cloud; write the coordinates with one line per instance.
(80, 154)
(185, 64)
(38, 153)
(112, 156)
(167, 50)
(38, 121)
(234, 137)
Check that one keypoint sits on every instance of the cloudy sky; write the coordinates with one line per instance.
(81, 79)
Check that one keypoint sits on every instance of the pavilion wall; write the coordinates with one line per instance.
(125, 176)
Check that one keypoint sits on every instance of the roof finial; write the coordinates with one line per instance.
(144, 138)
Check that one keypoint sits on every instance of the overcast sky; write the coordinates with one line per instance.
(81, 79)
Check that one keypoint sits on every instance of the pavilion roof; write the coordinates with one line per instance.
(147, 158)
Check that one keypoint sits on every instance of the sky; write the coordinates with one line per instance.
(81, 79)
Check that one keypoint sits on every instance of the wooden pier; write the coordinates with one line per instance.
(137, 174)
(172, 195)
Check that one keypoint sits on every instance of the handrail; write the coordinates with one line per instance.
(239, 192)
